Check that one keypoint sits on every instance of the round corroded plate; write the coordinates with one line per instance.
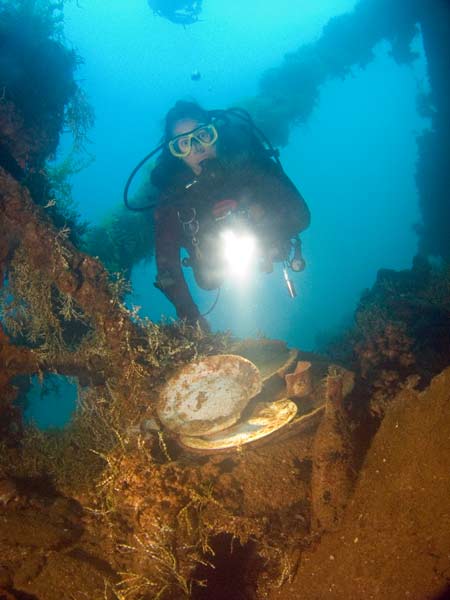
(265, 419)
(272, 357)
(208, 395)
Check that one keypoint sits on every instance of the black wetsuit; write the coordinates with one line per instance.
(244, 174)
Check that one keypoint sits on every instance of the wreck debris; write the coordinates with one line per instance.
(266, 418)
(53, 260)
(394, 537)
(268, 414)
(208, 395)
(8, 491)
(272, 357)
(298, 383)
(221, 403)
(332, 476)
(13, 361)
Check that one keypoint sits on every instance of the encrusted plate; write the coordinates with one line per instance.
(208, 395)
(272, 357)
(265, 419)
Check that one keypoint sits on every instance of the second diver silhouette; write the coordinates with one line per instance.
(181, 12)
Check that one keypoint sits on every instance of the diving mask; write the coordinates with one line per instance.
(181, 145)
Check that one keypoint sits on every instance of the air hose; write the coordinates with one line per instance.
(131, 177)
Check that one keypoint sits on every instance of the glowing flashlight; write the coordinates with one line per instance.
(239, 251)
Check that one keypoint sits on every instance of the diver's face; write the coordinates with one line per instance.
(199, 152)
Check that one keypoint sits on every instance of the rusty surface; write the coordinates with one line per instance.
(272, 357)
(298, 383)
(71, 271)
(208, 395)
(265, 420)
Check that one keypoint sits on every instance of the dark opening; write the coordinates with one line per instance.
(445, 594)
(14, 594)
(233, 573)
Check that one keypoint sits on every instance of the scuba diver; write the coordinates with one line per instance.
(223, 196)
(182, 12)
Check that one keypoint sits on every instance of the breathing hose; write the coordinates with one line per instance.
(213, 305)
(131, 177)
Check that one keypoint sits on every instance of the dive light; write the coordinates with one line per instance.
(238, 251)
